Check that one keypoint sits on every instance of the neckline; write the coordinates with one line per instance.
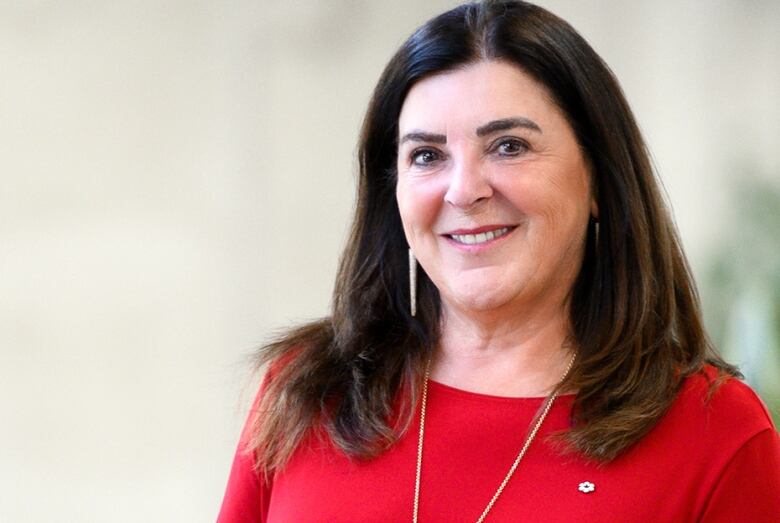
(479, 396)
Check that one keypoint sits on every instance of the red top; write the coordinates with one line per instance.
(708, 462)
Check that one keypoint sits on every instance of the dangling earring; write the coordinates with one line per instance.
(412, 283)
(596, 233)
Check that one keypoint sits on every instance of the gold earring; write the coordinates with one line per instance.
(412, 283)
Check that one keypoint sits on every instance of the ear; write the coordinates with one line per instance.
(594, 209)
(594, 206)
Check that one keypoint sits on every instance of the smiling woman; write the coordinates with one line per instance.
(540, 355)
(494, 195)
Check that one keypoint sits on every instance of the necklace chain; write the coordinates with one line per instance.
(526, 444)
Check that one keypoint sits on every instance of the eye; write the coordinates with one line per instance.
(510, 146)
(425, 157)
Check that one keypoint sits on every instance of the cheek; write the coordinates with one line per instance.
(523, 196)
(419, 203)
(560, 198)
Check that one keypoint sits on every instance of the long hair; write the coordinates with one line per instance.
(354, 377)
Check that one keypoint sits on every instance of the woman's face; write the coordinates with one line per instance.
(493, 190)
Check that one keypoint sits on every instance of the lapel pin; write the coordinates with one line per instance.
(586, 487)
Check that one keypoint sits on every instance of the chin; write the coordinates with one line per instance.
(479, 301)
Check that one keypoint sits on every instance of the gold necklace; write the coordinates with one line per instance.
(526, 444)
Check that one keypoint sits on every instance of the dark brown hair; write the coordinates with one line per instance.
(634, 310)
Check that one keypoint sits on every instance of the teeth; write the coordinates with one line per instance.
(471, 239)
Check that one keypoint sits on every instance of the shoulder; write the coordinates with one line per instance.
(714, 450)
(734, 446)
(718, 396)
(718, 410)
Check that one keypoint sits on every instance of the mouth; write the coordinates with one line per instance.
(477, 238)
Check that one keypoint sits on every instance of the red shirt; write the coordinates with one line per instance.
(716, 461)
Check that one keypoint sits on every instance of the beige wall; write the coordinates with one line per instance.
(175, 183)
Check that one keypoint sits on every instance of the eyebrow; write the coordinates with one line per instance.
(503, 124)
(421, 136)
(507, 123)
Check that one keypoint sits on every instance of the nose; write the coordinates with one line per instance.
(469, 184)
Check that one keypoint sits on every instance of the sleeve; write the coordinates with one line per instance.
(749, 488)
(247, 493)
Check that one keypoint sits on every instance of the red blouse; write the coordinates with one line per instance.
(708, 461)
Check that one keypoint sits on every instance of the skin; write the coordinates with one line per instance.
(484, 146)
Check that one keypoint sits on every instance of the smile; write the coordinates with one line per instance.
(482, 237)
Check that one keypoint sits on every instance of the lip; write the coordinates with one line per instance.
(477, 247)
(484, 228)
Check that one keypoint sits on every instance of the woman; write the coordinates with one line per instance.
(515, 334)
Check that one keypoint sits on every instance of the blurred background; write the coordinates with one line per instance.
(176, 180)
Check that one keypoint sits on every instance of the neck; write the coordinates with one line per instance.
(519, 355)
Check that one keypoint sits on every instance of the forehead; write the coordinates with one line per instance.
(471, 95)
